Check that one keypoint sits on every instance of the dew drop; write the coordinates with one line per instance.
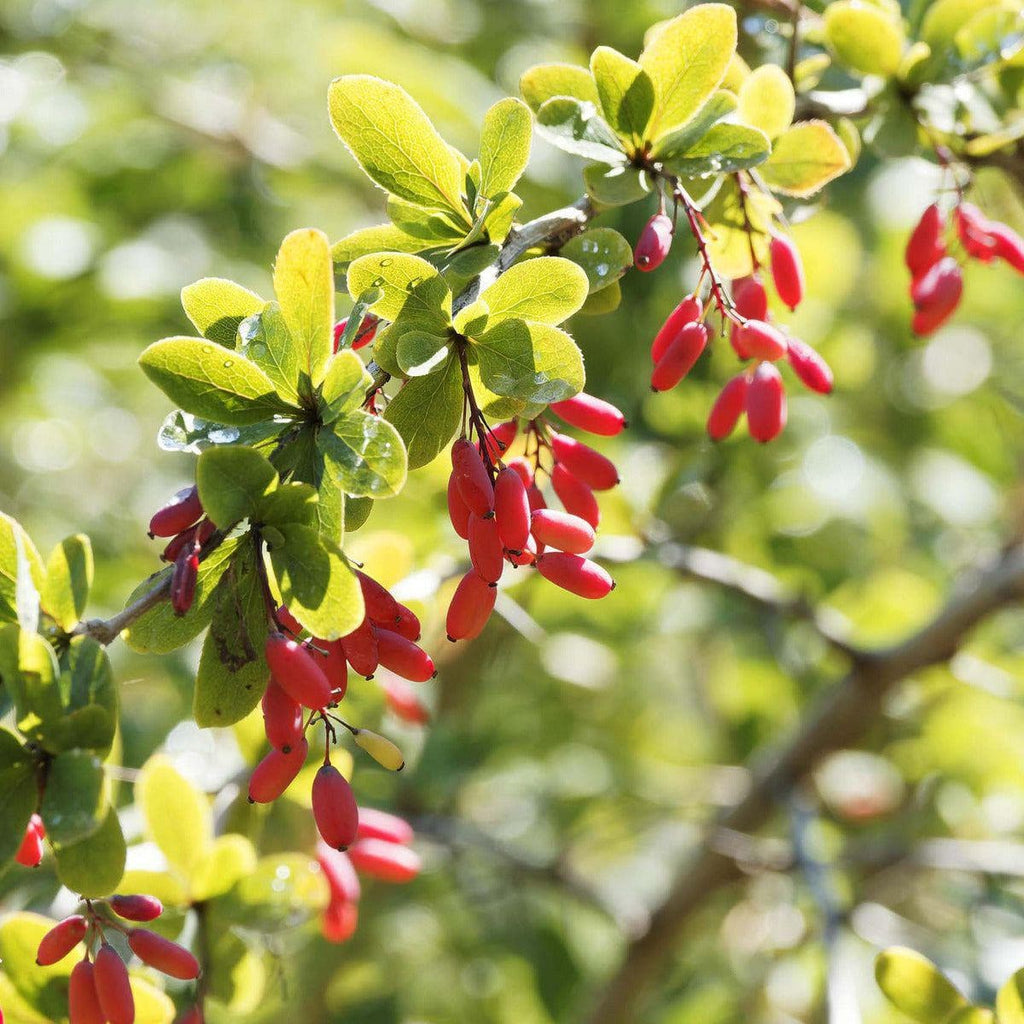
(228, 363)
(377, 282)
(386, 262)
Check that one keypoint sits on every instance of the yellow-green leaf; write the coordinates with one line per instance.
(863, 37)
(804, 158)
(216, 307)
(230, 858)
(504, 146)
(545, 81)
(547, 289)
(68, 580)
(177, 816)
(44, 989)
(626, 93)
(913, 984)
(411, 289)
(379, 238)
(767, 100)
(1010, 1000)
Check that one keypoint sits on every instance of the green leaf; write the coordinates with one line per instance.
(364, 455)
(420, 353)
(626, 93)
(316, 583)
(380, 238)
(603, 254)
(216, 307)
(575, 126)
(231, 482)
(944, 18)
(290, 503)
(90, 697)
(68, 580)
(45, 989)
(427, 411)
(615, 186)
(232, 667)
(177, 816)
(183, 432)
(29, 670)
(412, 289)
(530, 361)
(721, 104)
(230, 858)
(767, 100)
(470, 262)
(160, 631)
(547, 289)
(305, 460)
(394, 142)
(687, 59)
(606, 300)
(726, 148)
(913, 984)
(357, 511)
(344, 386)
(499, 219)
(18, 793)
(864, 38)
(504, 146)
(433, 227)
(805, 157)
(267, 341)
(545, 81)
(1010, 1000)
(281, 893)
(94, 866)
(26, 593)
(978, 1015)
(206, 380)
(472, 319)
(304, 286)
(11, 536)
(76, 799)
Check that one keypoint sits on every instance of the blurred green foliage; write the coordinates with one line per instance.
(143, 145)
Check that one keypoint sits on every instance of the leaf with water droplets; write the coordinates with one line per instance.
(547, 289)
(576, 127)
(530, 361)
(364, 455)
(413, 291)
(216, 307)
(724, 149)
(603, 254)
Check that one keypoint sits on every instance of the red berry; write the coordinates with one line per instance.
(404, 703)
(136, 907)
(750, 297)
(974, 230)
(167, 957)
(574, 495)
(367, 329)
(760, 340)
(295, 671)
(183, 581)
(593, 468)
(654, 243)
(282, 718)
(112, 987)
(591, 414)
(403, 657)
(925, 246)
(178, 543)
(562, 530)
(1009, 246)
(341, 877)
(458, 510)
(333, 665)
(535, 496)
(288, 621)
(178, 514)
(30, 853)
(679, 358)
(360, 647)
(83, 1002)
(192, 1016)
(485, 548)
(276, 772)
(809, 366)
(766, 403)
(937, 294)
(408, 625)
(728, 408)
(334, 808)
(787, 270)
(386, 861)
(470, 607)
(499, 438)
(61, 939)
(522, 469)
(687, 312)
(381, 607)
(471, 478)
(528, 555)
(511, 509)
(375, 824)
(577, 575)
(339, 921)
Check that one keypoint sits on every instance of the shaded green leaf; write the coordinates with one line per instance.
(357, 511)
(289, 503)
(725, 148)
(530, 361)
(267, 342)
(94, 866)
(420, 353)
(344, 386)
(605, 300)
(364, 455)
(602, 253)
(427, 411)
(231, 482)
(305, 460)
(90, 697)
(77, 795)
(626, 93)
(576, 127)
(434, 227)
(69, 572)
(216, 307)
(615, 186)
(29, 670)
(18, 793)
(504, 146)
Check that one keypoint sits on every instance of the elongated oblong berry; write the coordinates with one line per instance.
(295, 671)
(276, 772)
(377, 824)
(687, 312)
(937, 294)
(679, 358)
(333, 665)
(594, 469)
(787, 270)
(974, 231)
(594, 415)
(183, 581)
(497, 439)
(470, 607)
(458, 510)
(809, 366)
(403, 657)
(167, 957)
(342, 879)
(381, 749)
(334, 808)
(511, 509)
(750, 297)
(760, 340)
(407, 624)
(181, 512)
(282, 718)
(1009, 246)
(110, 977)
(728, 408)
(339, 921)
(381, 607)
(925, 246)
(654, 243)
(83, 1002)
(61, 939)
(30, 853)
(574, 495)
(562, 530)
(471, 477)
(522, 468)
(403, 702)
(766, 403)
(578, 575)
(388, 862)
(360, 647)
(485, 548)
(136, 907)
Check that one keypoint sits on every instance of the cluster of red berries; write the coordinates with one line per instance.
(380, 851)
(99, 991)
(499, 509)
(936, 278)
(182, 519)
(759, 390)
